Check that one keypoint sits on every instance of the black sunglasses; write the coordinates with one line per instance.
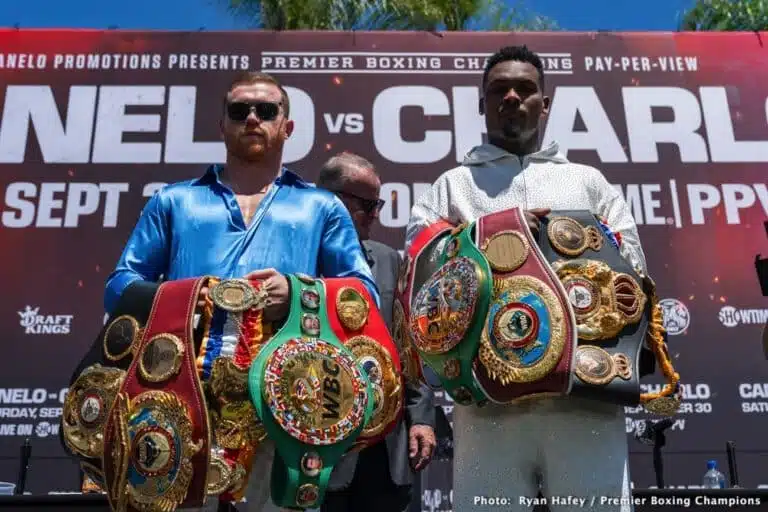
(238, 111)
(369, 205)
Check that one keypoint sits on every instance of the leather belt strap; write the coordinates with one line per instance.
(401, 308)
(311, 395)
(616, 311)
(357, 322)
(529, 337)
(454, 287)
(157, 441)
(233, 334)
(97, 380)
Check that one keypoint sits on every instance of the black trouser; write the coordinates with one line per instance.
(372, 489)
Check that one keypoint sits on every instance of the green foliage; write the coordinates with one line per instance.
(727, 15)
(430, 15)
(495, 15)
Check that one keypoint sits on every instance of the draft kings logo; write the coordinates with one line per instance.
(34, 322)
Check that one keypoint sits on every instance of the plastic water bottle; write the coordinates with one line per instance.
(713, 479)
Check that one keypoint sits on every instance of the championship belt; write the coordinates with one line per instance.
(616, 310)
(98, 379)
(445, 287)
(356, 321)
(489, 316)
(157, 436)
(159, 414)
(424, 248)
(310, 392)
(529, 335)
(232, 335)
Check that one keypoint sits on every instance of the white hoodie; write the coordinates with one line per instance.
(498, 449)
(490, 180)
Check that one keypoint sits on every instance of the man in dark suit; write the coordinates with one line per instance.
(380, 478)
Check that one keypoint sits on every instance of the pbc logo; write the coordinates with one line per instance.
(35, 323)
(677, 318)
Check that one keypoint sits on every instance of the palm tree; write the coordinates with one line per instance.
(431, 15)
(727, 15)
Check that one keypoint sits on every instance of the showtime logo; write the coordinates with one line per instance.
(729, 316)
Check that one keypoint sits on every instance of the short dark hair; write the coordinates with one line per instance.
(335, 172)
(516, 53)
(255, 77)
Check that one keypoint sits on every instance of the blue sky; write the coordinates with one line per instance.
(194, 14)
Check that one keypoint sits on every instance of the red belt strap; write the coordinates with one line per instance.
(172, 313)
(535, 265)
(375, 329)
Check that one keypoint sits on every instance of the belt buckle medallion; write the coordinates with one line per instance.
(315, 391)
(444, 307)
(86, 407)
(524, 335)
(160, 451)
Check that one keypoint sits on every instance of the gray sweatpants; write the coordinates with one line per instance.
(571, 449)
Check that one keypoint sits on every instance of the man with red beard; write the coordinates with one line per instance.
(251, 217)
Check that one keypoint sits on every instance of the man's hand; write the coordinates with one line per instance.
(421, 443)
(532, 217)
(276, 285)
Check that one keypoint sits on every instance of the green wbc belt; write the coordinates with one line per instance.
(448, 289)
(312, 396)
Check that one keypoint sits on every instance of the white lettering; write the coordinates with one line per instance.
(19, 396)
(50, 412)
(300, 143)
(650, 204)
(71, 138)
(644, 134)
(396, 210)
(735, 197)
(75, 199)
(468, 123)
(150, 188)
(689, 391)
(758, 407)
(388, 132)
(701, 196)
(399, 199)
(60, 141)
(334, 123)
(722, 141)
(570, 102)
(112, 122)
(180, 147)
(755, 390)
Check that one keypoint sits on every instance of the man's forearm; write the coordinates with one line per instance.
(117, 283)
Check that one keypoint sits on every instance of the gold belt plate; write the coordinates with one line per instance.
(86, 407)
(604, 301)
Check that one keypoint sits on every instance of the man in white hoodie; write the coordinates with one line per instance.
(571, 449)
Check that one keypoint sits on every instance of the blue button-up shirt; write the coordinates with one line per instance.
(195, 228)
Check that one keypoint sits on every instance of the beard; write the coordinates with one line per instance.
(251, 149)
(517, 133)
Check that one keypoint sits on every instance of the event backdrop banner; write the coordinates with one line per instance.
(93, 122)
